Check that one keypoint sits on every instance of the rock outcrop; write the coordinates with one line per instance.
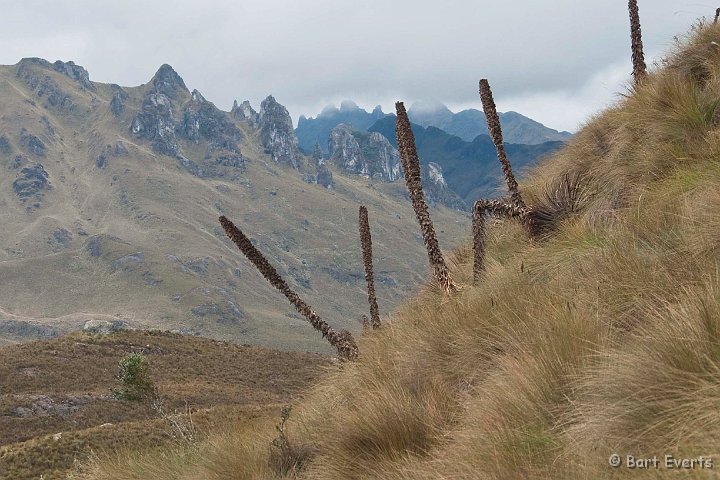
(202, 119)
(155, 122)
(117, 104)
(5, 147)
(362, 153)
(244, 111)
(168, 82)
(76, 72)
(32, 143)
(436, 189)
(42, 85)
(32, 182)
(276, 133)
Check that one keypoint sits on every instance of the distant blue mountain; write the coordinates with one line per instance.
(468, 124)
(311, 131)
(471, 169)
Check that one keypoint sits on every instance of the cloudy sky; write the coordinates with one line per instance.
(557, 61)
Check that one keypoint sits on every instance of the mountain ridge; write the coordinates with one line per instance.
(110, 199)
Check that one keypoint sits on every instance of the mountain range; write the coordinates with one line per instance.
(110, 197)
(466, 124)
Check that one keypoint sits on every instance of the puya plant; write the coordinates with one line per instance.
(343, 340)
(411, 168)
(638, 58)
(366, 244)
(560, 199)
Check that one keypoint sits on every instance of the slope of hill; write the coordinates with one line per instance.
(109, 205)
(471, 169)
(601, 339)
(63, 386)
(468, 124)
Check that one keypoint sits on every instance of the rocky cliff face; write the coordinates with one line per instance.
(76, 72)
(244, 111)
(45, 89)
(155, 122)
(436, 189)
(117, 104)
(168, 82)
(199, 121)
(361, 153)
(277, 134)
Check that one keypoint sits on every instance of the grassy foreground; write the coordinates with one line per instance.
(602, 339)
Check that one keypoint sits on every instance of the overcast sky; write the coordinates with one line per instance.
(557, 61)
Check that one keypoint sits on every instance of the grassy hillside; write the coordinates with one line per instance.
(601, 339)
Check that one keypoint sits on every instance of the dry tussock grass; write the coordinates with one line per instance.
(602, 338)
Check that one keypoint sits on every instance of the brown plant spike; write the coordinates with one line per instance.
(366, 242)
(493, 122)
(498, 208)
(638, 58)
(342, 341)
(411, 167)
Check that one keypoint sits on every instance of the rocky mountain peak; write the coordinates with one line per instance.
(76, 72)
(362, 153)
(348, 106)
(276, 132)
(197, 97)
(167, 81)
(244, 111)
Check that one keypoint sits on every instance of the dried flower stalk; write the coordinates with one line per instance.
(411, 168)
(366, 241)
(638, 58)
(342, 341)
(493, 122)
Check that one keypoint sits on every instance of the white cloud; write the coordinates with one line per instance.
(544, 59)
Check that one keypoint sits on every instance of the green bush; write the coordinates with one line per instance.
(134, 378)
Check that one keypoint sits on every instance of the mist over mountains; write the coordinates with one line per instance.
(466, 124)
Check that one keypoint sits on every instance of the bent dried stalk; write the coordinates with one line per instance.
(411, 168)
(493, 122)
(366, 242)
(638, 58)
(343, 341)
(498, 208)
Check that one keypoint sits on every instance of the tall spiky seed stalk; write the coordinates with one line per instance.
(638, 58)
(411, 168)
(342, 341)
(480, 209)
(366, 242)
(493, 122)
